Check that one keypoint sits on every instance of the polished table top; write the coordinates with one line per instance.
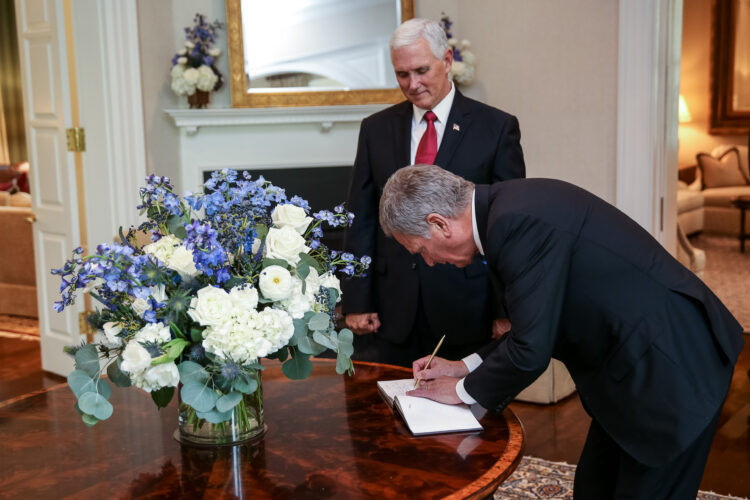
(329, 436)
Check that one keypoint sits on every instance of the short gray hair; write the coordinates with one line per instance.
(409, 32)
(413, 193)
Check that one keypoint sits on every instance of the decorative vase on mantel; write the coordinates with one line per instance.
(245, 422)
(199, 99)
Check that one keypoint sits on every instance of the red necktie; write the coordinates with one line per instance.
(427, 149)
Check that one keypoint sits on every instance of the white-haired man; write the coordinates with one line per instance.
(651, 349)
(402, 301)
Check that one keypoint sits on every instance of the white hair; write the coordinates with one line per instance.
(409, 32)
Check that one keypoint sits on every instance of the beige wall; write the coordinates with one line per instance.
(560, 82)
(694, 83)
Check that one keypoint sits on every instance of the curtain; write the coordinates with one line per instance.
(11, 95)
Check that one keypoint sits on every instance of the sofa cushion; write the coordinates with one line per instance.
(20, 199)
(742, 150)
(722, 197)
(722, 171)
(688, 200)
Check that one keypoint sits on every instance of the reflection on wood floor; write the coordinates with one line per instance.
(553, 432)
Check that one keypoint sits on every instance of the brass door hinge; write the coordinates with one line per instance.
(76, 139)
(84, 326)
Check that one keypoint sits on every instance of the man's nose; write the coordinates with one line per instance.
(414, 82)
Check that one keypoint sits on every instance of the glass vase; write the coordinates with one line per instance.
(244, 424)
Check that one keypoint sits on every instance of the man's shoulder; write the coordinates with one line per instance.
(467, 104)
(400, 109)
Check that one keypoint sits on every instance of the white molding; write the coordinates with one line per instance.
(190, 120)
(123, 82)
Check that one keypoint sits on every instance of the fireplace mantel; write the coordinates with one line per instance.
(265, 138)
(191, 120)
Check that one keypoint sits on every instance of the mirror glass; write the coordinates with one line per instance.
(313, 52)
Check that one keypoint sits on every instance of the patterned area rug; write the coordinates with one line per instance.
(727, 273)
(537, 478)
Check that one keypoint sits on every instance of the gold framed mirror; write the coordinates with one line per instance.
(730, 67)
(312, 52)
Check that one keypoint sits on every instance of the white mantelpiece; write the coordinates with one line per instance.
(254, 138)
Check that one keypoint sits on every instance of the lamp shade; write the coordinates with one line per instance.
(684, 113)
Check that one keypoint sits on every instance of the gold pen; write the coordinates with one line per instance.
(416, 382)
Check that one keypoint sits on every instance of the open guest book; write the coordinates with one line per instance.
(425, 416)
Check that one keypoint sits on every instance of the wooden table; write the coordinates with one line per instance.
(329, 436)
(743, 203)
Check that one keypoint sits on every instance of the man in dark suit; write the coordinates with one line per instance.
(402, 301)
(650, 348)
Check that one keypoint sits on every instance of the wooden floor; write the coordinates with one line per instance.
(553, 432)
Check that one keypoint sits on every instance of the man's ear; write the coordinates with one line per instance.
(439, 223)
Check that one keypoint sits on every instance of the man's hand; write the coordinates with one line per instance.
(439, 367)
(500, 327)
(362, 323)
(442, 389)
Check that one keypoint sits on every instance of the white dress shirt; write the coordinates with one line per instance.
(418, 125)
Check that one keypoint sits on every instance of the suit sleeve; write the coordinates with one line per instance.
(509, 162)
(358, 295)
(534, 263)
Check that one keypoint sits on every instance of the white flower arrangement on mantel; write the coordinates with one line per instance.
(464, 60)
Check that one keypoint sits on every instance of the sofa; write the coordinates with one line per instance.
(17, 274)
(721, 176)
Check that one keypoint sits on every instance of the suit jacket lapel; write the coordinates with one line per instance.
(459, 120)
(482, 211)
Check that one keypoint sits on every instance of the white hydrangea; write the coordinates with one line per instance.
(108, 336)
(206, 78)
(250, 336)
(154, 332)
(299, 303)
(135, 359)
(191, 75)
(156, 377)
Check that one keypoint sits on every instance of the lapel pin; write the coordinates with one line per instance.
(456, 127)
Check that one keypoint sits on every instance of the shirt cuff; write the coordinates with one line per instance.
(472, 361)
(462, 394)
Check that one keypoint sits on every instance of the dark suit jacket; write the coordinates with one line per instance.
(587, 285)
(481, 144)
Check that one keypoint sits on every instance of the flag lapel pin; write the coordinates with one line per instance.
(456, 127)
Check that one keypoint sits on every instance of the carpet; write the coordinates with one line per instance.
(727, 273)
(537, 478)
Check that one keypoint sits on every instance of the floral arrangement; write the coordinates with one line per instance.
(193, 67)
(462, 71)
(230, 275)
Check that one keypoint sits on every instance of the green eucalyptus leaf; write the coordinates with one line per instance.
(245, 384)
(87, 359)
(323, 339)
(319, 322)
(307, 345)
(344, 364)
(300, 331)
(116, 375)
(333, 295)
(298, 367)
(312, 262)
(96, 405)
(214, 416)
(190, 371)
(303, 270)
(346, 342)
(176, 225)
(80, 382)
(104, 388)
(89, 420)
(228, 401)
(199, 396)
(162, 396)
(274, 262)
(234, 281)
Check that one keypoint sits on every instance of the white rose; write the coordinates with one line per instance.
(291, 215)
(182, 52)
(214, 52)
(159, 293)
(182, 262)
(328, 280)
(164, 375)
(189, 44)
(285, 243)
(140, 306)
(154, 332)
(182, 60)
(191, 75)
(135, 358)
(275, 283)
(452, 42)
(211, 306)
(244, 298)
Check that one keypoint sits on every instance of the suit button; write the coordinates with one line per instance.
(413, 265)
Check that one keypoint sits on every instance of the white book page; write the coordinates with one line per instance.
(392, 388)
(425, 416)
